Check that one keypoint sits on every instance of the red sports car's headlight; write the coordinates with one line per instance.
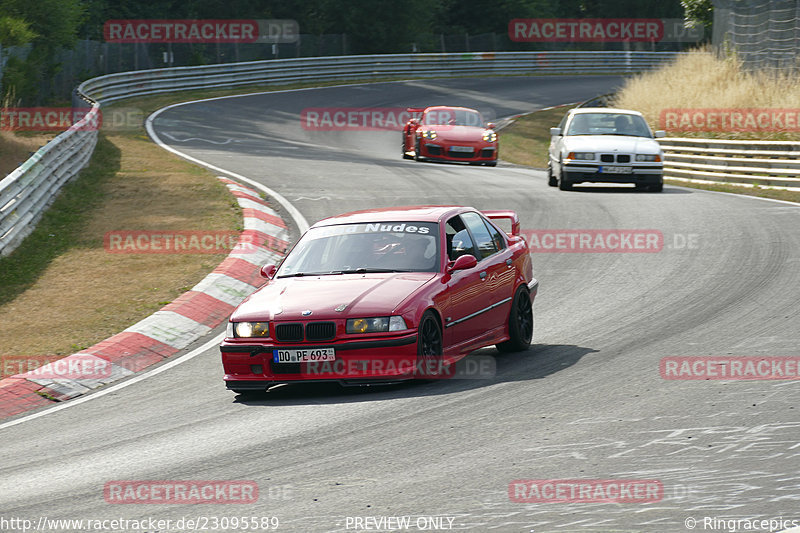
(247, 329)
(489, 136)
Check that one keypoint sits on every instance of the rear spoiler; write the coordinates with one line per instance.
(415, 110)
(505, 215)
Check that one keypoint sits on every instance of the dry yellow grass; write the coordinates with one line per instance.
(700, 79)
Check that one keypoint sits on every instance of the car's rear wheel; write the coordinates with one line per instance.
(429, 346)
(551, 179)
(520, 323)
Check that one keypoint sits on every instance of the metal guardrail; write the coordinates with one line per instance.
(26, 192)
(769, 163)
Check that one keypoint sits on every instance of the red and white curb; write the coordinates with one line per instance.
(171, 329)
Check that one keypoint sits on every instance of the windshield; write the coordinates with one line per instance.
(608, 124)
(364, 248)
(452, 117)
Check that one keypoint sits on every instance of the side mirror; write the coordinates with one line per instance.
(464, 262)
(268, 271)
(660, 133)
(491, 126)
(414, 121)
(555, 131)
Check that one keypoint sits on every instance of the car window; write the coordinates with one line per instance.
(459, 241)
(497, 235)
(452, 117)
(401, 246)
(483, 239)
(608, 124)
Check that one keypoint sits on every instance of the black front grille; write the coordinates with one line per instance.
(320, 331)
(607, 158)
(462, 155)
(623, 158)
(434, 150)
(284, 368)
(487, 152)
(289, 332)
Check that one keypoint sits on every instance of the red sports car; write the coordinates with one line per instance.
(449, 134)
(384, 295)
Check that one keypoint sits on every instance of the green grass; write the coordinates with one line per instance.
(526, 140)
(62, 225)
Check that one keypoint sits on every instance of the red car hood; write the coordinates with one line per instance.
(458, 133)
(362, 294)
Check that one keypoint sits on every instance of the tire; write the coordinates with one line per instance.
(563, 183)
(551, 179)
(403, 149)
(520, 323)
(429, 346)
(417, 157)
(491, 164)
(657, 187)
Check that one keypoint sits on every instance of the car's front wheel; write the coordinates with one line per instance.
(429, 346)
(551, 179)
(403, 148)
(563, 183)
(520, 323)
(416, 151)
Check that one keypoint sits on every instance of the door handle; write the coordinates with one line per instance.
(483, 275)
(509, 262)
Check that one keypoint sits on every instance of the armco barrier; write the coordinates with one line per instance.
(26, 193)
(769, 163)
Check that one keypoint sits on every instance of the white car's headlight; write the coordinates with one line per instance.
(429, 134)
(581, 156)
(376, 324)
(248, 329)
(648, 157)
(489, 136)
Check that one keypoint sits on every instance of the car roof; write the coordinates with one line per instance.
(580, 110)
(414, 213)
(450, 107)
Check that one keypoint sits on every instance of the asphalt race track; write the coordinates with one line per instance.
(586, 402)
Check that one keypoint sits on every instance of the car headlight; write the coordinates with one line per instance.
(489, 136)
(376, 324)
(248, 329)
(648, 157)
(581, 156)
(429, 134)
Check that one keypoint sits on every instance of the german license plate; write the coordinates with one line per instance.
(462, 149)
(304, 355)
(616, 170)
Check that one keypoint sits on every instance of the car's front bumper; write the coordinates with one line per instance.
(595, 173)
(251, 366)
(444, 151)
